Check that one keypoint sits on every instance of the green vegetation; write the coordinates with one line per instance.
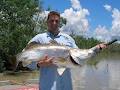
(16, 26)
(85, 43)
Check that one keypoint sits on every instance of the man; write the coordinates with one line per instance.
(49, 77)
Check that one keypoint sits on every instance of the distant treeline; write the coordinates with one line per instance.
(86, 43)
(113, 48)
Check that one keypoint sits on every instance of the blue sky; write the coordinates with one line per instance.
(98, 15)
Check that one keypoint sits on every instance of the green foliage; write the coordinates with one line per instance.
(2, 68)
(115, 48)
(16, 24)
(3, 57)
(63, 21)
(85, 43)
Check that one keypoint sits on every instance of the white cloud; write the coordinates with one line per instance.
(115, 28)
(116, 21)
(75, 4)
(107, 7)
(77, 22)
(102, 33)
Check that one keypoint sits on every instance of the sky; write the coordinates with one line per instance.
(91, 18)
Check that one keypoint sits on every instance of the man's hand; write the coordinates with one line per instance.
(46, 61)
(101, 46)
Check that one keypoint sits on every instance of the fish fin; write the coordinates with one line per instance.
(25, 63)
(61, 70)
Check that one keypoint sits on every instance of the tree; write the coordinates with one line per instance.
(85, 42)
(16, 24)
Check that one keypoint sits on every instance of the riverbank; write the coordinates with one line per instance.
(20, 87)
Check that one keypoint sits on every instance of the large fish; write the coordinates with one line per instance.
(64, 56)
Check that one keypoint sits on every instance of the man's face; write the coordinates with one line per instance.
(53, 23)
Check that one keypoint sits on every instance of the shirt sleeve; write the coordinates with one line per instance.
(36, 39)
(72, 42)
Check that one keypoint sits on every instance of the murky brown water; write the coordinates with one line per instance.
(105, 75)
(9, 78)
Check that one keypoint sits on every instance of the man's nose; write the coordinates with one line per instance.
(54, 22)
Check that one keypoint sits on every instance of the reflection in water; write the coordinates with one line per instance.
(105, 76)
(97, 79)
(114, 69)
(78, 77)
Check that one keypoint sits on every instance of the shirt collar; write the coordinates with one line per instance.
(51, 35)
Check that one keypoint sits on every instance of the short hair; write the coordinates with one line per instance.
(53, 13)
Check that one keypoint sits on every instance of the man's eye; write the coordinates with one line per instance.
(54, 20)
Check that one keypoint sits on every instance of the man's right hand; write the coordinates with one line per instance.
(46, 61)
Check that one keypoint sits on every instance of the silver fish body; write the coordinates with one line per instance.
(62, 55)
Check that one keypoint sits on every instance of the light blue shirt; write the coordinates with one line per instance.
(49, 77)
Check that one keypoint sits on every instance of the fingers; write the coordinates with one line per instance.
(102, 46)
(49, 60)
(46, 61)
(45, 57)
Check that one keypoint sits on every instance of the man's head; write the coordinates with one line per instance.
(53, 21)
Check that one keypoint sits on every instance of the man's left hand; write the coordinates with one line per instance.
(101, 46)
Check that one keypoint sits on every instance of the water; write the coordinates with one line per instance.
(103, 75)
(19, 78)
